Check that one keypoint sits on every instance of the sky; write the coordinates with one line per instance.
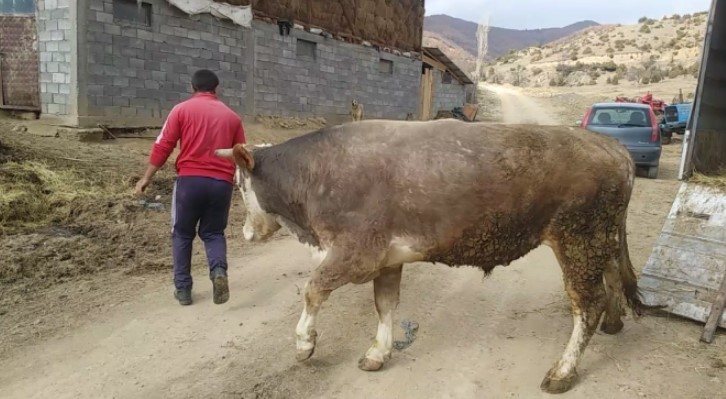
(533, 14)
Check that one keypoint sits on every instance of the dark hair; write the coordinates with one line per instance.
(205, 80)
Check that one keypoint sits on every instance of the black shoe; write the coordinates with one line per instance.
(184, 296)
(220, 285)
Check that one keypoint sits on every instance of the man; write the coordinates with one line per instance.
(203, 188)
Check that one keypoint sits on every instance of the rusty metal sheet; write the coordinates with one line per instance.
(19, 62)
(688, 262)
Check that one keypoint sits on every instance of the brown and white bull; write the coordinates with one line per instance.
(374, 195)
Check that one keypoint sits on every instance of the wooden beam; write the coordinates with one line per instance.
(715, 316)
(2, 100)
(434, 63)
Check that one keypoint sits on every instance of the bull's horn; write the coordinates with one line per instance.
(225, 153)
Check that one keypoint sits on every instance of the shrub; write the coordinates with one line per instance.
(644, 29)
(642, 19)
(587, 50)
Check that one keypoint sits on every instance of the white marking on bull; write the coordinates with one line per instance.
(574, 346)
(306, 324)
(401, 251)
(258, 223)
(380, 351)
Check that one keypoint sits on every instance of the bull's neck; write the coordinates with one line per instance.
(280, 180)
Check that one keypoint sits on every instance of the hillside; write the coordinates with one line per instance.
(647, 52)
(457, 38)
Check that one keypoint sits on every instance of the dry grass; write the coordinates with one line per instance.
(717, 180)
(34, 193)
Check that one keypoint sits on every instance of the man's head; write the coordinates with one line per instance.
(205, 81)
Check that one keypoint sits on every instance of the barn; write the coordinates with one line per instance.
(444, 86)
(128, 62)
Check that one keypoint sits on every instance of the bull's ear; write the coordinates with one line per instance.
(239, 155)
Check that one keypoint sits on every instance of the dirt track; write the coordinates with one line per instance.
(477, 338)
(518, 108)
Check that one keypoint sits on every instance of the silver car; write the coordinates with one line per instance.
(633, 125)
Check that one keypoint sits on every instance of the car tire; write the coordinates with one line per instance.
(653, 172)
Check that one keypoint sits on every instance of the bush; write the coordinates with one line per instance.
(609, 80)
(587, 50)
(644, 29)
(536, 71)
(642, 19)
(615, 80)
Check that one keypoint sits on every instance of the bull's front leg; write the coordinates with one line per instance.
(386, 289)
(326, 278)
(306, 333)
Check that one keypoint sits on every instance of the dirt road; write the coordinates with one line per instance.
(493, 337)
(519, 108)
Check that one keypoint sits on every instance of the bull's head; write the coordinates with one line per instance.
(259, 225)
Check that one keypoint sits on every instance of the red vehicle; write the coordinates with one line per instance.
(658, 106)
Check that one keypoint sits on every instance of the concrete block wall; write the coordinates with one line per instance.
(291, 85)
(137, 73)
(447, 96)
(55, 37)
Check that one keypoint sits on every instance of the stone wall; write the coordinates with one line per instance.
(294, 81)
(139, 71)
(55, 37)
(447, 95)
(132, 69)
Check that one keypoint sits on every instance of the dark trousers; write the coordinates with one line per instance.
(205, 202)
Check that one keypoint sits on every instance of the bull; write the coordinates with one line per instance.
(371, 196)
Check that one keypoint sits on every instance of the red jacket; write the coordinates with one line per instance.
(203, 124)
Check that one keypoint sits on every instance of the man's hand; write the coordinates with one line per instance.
(141, 186)
(146, 180)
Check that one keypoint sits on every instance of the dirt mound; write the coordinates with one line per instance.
(58, 222)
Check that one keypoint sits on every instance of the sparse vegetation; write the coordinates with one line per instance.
(667, 53)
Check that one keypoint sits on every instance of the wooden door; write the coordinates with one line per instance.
(427, 93)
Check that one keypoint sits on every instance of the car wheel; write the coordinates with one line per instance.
(653, 172)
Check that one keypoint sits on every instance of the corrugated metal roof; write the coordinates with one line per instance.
(437, 54)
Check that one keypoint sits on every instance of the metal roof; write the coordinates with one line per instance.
(437, 54)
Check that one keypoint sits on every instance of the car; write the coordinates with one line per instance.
(634, 125)
(675, 120)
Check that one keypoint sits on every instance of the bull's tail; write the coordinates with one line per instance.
(628, 277)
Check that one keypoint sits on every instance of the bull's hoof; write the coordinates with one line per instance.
(304, 354)
(367, 364)
(553, 385)
(611, 328)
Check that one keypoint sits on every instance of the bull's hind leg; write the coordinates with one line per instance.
(386, 289)
(582, 260)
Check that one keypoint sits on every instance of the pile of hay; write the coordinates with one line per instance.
(34, 193)
(717, 180)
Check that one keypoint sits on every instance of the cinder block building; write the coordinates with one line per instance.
(127, 62)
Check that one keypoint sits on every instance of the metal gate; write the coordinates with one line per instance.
(19, 63)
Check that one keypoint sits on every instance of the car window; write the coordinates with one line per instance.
(618, 116)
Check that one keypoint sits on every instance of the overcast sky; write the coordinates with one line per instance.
(532, 14)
